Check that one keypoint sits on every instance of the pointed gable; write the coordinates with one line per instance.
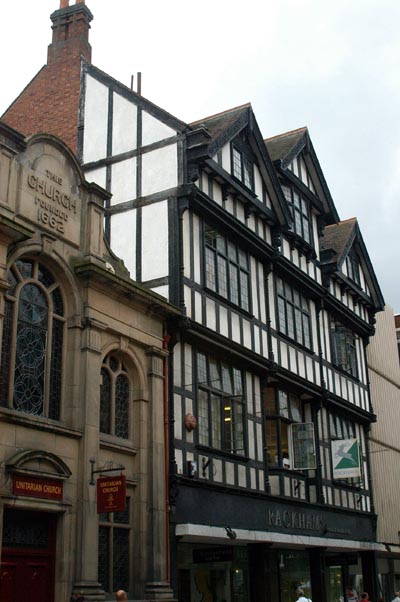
(237, 126)
(294, 157)
(344, 254)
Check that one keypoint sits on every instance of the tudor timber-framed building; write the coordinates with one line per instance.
(267, 369)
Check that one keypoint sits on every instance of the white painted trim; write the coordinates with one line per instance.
(218, 535)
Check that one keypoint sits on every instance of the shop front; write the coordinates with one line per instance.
(258, 551)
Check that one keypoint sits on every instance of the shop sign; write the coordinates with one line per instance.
(111, 494)
(35, 487)
(345, 459)
(224, 554)
(295, 520)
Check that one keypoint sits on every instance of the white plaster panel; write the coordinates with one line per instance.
(154, 130)
(179, 461)
(259, 439)
(309, 367)
(230, 473)
(198, 317)
(286, 249)
(124, 136)
(274, 346)
(187, 292)
(186, 245)
(196, 247)
(162, 290)
(155, 241)
(210, 314)
(315, 234)
(254, 287)
(188, 368)
(251, 449)
(303, 264)
(98, 176)
(253, 482)
(274, 484)
(292, 355)
(235, 327)
(318, 275)
(217, 193)
(178, 416)
(337, 383)
(257, 395)
(242, 476)
(257, 347)
(96, 121)
(123, 238)
(295, 256)
(123, 178)
(226, 157)
(223, 321)
(246, 333)
(302, 367)
(258, 183)
(229, 204)
(271, 300)
(177, 365)
(284, 355)
(159, 169)
(217, 470)
(251, 222)
(240, 212)
(262, 293)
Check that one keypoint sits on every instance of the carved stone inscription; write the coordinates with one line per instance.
(47, 200)
(53, 205)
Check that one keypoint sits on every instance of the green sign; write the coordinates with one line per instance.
(346, 459)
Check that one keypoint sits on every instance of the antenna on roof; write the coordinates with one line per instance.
(139, 83)
(132, 78)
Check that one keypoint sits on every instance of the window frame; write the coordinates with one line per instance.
(282, 408)
(348, 348)
(24, 311)
(114, 425)
(301, 213)
(242, 167)
(353, 268)
(221, 412)
(219, 251)
(110, 522)
(292, 306)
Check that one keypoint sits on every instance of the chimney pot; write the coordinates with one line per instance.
(64, 3)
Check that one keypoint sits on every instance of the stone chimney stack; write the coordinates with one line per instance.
(50, 102)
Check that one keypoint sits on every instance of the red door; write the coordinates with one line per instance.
(28, 557)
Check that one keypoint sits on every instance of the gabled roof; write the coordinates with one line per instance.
(335, 245)
(283, 148)
(219, 129)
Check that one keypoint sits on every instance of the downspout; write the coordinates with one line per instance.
(166, 340)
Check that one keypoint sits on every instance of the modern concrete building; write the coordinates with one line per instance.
(384, 375)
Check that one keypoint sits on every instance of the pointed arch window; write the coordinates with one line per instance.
(114, 398)
(32, 341)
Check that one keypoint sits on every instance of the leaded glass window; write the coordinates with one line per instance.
(227, 269)
(294, 319)
(32, 341)
(113, 559)
(114, 398)
(220, 405)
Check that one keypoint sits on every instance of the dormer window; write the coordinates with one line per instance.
(353, 267)
(242, 167)
(344, 351)
(300, 210)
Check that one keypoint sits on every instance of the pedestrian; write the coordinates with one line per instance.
(364, 597)
(396, 597)
(120, 596)
(300, 596)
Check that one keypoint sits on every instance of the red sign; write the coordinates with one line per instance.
(44, 488)
(111, 494)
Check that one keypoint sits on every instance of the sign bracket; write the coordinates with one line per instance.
(101, 470)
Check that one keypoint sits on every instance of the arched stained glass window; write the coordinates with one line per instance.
(32, 341)
(114, 398)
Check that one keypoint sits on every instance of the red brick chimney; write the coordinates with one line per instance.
(50, 102)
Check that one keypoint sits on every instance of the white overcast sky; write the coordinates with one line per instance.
(331, 66)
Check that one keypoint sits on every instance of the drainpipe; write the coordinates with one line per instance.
(166, 452)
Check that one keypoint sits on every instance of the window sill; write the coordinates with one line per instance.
(345, 373)
(212, 451)
(38, 422)
(117, 444)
